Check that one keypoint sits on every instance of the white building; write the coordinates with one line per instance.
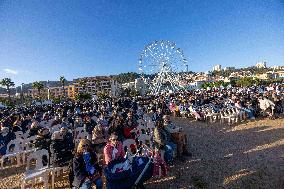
(94, 85)
(261, 64)
(217, 68)
(278, 67)
(229, 68)
(195, 85)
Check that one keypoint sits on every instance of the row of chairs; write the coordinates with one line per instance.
(226, 115)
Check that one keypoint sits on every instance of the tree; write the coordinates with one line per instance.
(102, 95)
(8, 83)
(63, 82)
(247, 82)
(83, 96)
(38, 85)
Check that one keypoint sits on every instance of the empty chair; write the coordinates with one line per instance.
(145, 139)
(14, 150)
(38, 171)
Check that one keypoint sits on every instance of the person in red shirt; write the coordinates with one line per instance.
(113, 149)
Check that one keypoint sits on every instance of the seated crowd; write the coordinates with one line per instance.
(107, 124)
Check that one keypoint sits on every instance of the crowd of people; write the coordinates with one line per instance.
(109, 122)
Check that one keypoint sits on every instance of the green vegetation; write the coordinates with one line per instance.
(8, 83)
(214, 84)
(83, 96)
(39, 86)
(126, 77)
(103, 95)
(63, 82)
(247, 82)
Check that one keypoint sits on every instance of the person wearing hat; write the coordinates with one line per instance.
(113, 149)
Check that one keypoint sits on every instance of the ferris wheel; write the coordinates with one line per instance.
(161, 62)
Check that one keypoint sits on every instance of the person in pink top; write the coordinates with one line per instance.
(113, 149)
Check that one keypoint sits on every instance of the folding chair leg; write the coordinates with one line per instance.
(52, 179)
(23, 185)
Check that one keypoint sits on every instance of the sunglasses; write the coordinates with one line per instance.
(113, 139)
(85, 145)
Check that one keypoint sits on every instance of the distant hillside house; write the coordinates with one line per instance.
(261, 64)
(93, 86)
(217, 68)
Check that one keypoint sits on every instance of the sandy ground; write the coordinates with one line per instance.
(249, 155)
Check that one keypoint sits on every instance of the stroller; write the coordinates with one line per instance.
(132, 172)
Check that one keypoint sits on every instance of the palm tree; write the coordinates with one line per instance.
(37, 85)
(7, 82)
(63, 81)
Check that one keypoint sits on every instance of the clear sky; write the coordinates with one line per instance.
(44, 39)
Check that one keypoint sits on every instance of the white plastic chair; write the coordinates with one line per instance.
(145, 139)
(14, 150)
(151, 124)
(19, 134)
(39, 172)
(128, 143)
(28, 147)
(78, 130)
(54, 128)
(225, 117)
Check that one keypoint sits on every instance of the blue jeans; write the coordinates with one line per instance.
(249, 112)
(89, 185)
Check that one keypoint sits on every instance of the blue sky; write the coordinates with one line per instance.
(43, 39)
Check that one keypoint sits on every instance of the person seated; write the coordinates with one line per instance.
(89, 125)
(61, 148)
(5, 137)
(130, 124)
(78, 122)
(34, 128)
(117, 126)
(267, 106)
(163, 141)
(43, 139)
(178, 136)
(113, 149)
(99, 138)
(86, 170)
(55, 121)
